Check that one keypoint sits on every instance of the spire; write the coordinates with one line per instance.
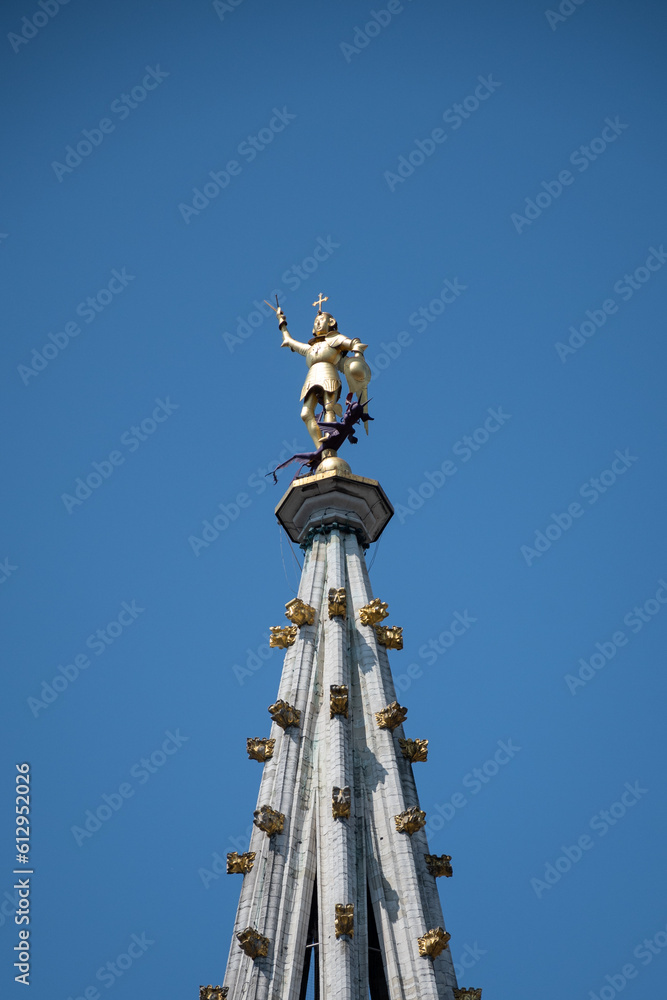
(339, 886)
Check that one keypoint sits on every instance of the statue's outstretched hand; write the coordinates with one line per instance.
(282, 323)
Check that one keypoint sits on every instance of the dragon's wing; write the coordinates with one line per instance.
(358, 375)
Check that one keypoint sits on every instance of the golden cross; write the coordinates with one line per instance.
(320, 300)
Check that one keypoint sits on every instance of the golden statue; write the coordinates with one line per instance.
(327, 353)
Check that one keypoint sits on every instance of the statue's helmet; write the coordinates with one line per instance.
(324, 324)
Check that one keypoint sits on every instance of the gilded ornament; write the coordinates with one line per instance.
(411, 820)
(268, 820)
(467, 993)
(282, 636)
(299, 613)
(414, 750)
(260, 749)
(254, 944)
(338, 699)
(285, 715)
(213, 992)
(374, 612)
(439, 864)
(240, 864)
(337, 602)
(341, 801)
(391, 716)
(327, 353)
(433, 942)
(344, 919)
(390, 636)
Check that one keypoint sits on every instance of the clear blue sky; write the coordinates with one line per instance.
(472, 185)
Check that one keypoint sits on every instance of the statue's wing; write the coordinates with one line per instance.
(358, 375)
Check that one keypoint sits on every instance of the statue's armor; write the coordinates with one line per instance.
(322, 359)
(326, 355)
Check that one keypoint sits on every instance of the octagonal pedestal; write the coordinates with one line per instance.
(335, 496)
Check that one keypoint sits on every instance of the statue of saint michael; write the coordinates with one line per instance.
(327, 353)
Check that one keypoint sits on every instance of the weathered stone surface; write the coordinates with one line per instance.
(308, 761)
(327, 498)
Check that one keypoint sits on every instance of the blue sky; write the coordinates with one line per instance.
(479, 189)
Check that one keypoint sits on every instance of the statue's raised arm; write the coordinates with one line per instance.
(288, 340)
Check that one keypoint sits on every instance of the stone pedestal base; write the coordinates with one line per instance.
(335, 496)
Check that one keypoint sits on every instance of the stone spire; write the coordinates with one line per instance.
(338, 877)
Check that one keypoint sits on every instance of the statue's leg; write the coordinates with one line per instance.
(330, 407)
(308, 417)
